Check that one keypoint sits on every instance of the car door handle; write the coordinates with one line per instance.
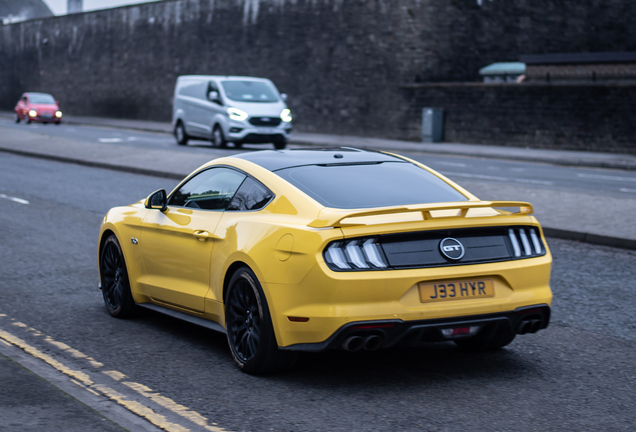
(201, 235)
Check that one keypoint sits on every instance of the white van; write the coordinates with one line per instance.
(232, 109)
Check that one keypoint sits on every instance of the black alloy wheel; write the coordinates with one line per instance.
(180, 134)
(218, 139)
(249, 327)
(114, 277)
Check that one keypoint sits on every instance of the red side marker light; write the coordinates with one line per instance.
(297, 319)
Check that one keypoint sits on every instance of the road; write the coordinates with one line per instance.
(576, 375)
(603, 182)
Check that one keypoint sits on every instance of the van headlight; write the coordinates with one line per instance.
(285, 115)
(236, 114)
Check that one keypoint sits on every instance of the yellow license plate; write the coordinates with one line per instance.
(456, 290)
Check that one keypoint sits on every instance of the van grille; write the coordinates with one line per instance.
(265, 121)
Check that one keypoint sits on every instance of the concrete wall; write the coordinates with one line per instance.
(346, 64)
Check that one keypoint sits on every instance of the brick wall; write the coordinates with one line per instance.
(346, 64)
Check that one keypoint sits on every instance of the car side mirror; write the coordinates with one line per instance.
(157, 200)
(283, 96)
(214, 96)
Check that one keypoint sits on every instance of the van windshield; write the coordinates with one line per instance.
(249, 91)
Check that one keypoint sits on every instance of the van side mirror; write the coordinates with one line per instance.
(213, 96)
(283, 96)
(157, 200)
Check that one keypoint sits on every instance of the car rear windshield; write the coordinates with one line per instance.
(370, 185)
(249, 91)
(41, 99)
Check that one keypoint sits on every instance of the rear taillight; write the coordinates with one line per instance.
(358, 254)
(525, 242)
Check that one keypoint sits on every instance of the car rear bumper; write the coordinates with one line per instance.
(389, 333)
(315, 308)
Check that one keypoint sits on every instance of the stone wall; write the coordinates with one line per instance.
(593, 117)
(346, 64)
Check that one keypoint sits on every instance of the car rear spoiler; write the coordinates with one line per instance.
(332, 218)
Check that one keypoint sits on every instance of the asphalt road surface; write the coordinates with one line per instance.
(605, 182)
(577, 375)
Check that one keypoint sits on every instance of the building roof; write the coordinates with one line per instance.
(512, 68)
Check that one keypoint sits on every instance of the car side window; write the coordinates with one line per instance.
(211, 189)
(252, 195)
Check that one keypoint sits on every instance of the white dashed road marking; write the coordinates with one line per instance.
(504, 179)
(455, 164)
(14, 199)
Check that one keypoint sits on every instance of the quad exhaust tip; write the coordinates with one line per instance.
(529, 326)
(353, 343)
(356, 343)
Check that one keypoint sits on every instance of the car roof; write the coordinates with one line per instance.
(274, 160)
(223, 77)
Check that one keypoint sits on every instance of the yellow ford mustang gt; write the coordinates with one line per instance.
(308, 250)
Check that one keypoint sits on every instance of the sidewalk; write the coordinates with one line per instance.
(39, 398)
(557, 157)
(576, 216)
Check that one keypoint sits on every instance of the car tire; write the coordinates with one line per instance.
(28, 120)
(180, 134)
(489, 338)
(17, 118)
(58, 123)
(249, 328)
(279, 145)
(218, 139)
(114, 280)
(238, 145)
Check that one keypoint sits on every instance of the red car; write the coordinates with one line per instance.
(38, 107)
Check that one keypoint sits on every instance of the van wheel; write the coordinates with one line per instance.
(218, 140)
(180, 134)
